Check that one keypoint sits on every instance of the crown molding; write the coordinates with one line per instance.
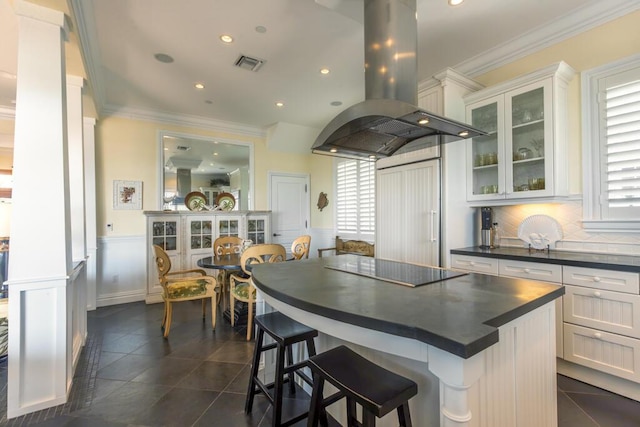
(7, 113)
(184, 120)
(560, 29)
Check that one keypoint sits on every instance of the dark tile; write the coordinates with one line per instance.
(571, 415)
(201, 349)
(234, 351)
(230, 408)
(71, 421)
(125, 344)
(156, 347)
(107, 358)
(241, 382)
(211, 376)
(290, 409)
(574, 386)
(179, 407)
(168, 371)
(125, 405)
(610, 410)
(127, 367)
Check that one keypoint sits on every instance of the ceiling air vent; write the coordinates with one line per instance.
(183, 148)
(249, 63)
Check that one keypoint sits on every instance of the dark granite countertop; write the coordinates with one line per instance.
(576, 259)
(459, 315)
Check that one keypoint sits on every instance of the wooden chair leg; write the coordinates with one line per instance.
(213, 312)
(249, 319)
(232, 302)
(204, 309)
(164, 315)
(167, 325)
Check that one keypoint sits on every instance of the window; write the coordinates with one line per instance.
(355, 199)
(611, 145)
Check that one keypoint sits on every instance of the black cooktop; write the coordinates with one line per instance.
(392, 271)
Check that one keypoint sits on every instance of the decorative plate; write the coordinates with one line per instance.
(540, 231)
(195, 201)
(225, 201)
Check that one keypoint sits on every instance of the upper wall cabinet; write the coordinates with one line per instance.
(524, 156)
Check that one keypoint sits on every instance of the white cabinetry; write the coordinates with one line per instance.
(524, 156)
(408, 213)
(597, 319)
(189, 236)
(519, 269)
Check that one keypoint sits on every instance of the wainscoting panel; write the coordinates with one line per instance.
(122, 270)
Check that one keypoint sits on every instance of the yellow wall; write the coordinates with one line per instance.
(127, 150)
(609, 42)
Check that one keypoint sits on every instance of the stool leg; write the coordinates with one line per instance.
(315, 408)
(368, 419)
(277, 387)
(251, 391)
(404, 416)
(352, 419)
(292, 385)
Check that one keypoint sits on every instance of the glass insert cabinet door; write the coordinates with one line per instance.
(526, 127)
(201, 233)
(487, 151)
(229, 227)
(165, 234)
(256, 230)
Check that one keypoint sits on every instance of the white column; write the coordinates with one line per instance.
(40, 229)
(75, 129)
(90, 210)
(456, 376)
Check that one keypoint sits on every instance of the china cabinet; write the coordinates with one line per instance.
(524, 154)
(188, 236)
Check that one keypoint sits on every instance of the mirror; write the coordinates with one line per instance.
(209, 165)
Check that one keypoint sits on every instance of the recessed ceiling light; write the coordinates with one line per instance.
(423, 121)
(166, 149)
(225, 38)
(333, 150)
(336, 103)
(464, 133)
(215, 154)
(279, 104)
(198, 86)
(324, 71)
(455, 2)
(261, 29)
(163, 57)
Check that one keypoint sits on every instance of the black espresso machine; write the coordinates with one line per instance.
(486, 228)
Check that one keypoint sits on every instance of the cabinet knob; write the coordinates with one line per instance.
(596, 279)
(597, 335)
(597, 294)
(527, 270)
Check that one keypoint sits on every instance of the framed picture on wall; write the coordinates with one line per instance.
(127, 195)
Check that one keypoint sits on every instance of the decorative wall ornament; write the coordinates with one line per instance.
(127, 195)
(322, 201)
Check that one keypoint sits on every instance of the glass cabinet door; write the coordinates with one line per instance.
(256, 230)
(229, 227)
(165, 234)
(486, 152)
(200, 234)
(526, 151)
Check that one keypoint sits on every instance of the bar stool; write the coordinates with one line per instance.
(376, 389)
(285, 332)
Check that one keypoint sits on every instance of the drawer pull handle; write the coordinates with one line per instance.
(597, 294)
(597, 335)
(596, 279)
(527, 270)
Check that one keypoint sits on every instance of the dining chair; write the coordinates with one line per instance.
(300, 247)
(226, 245)
(178, 286)
(242, 288)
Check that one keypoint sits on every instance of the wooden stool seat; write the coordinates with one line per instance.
(376, 389)
(285, 332)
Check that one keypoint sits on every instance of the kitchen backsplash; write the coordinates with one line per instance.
(575, 238)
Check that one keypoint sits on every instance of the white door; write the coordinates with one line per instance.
(289, 205)
(408, 213)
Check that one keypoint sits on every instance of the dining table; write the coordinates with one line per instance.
(225, 264)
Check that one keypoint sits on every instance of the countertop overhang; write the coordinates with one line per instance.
(460, 315)
(577, 259)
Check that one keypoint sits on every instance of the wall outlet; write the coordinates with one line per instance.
(110, 227)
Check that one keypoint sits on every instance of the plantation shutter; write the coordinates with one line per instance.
(620, 109)
(355, 198)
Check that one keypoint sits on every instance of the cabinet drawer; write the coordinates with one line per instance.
(531, 270)
(611, 280)
(475, 264)
(605, 310)
(610, 353)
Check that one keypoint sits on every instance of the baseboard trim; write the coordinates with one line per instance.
(121, 298)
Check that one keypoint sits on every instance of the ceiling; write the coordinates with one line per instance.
(295, 38)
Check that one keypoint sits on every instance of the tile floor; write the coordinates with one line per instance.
(129, 376)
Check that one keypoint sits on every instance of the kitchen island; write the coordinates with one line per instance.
(481, 348)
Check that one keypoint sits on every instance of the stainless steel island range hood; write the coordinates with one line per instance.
(388, 118)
